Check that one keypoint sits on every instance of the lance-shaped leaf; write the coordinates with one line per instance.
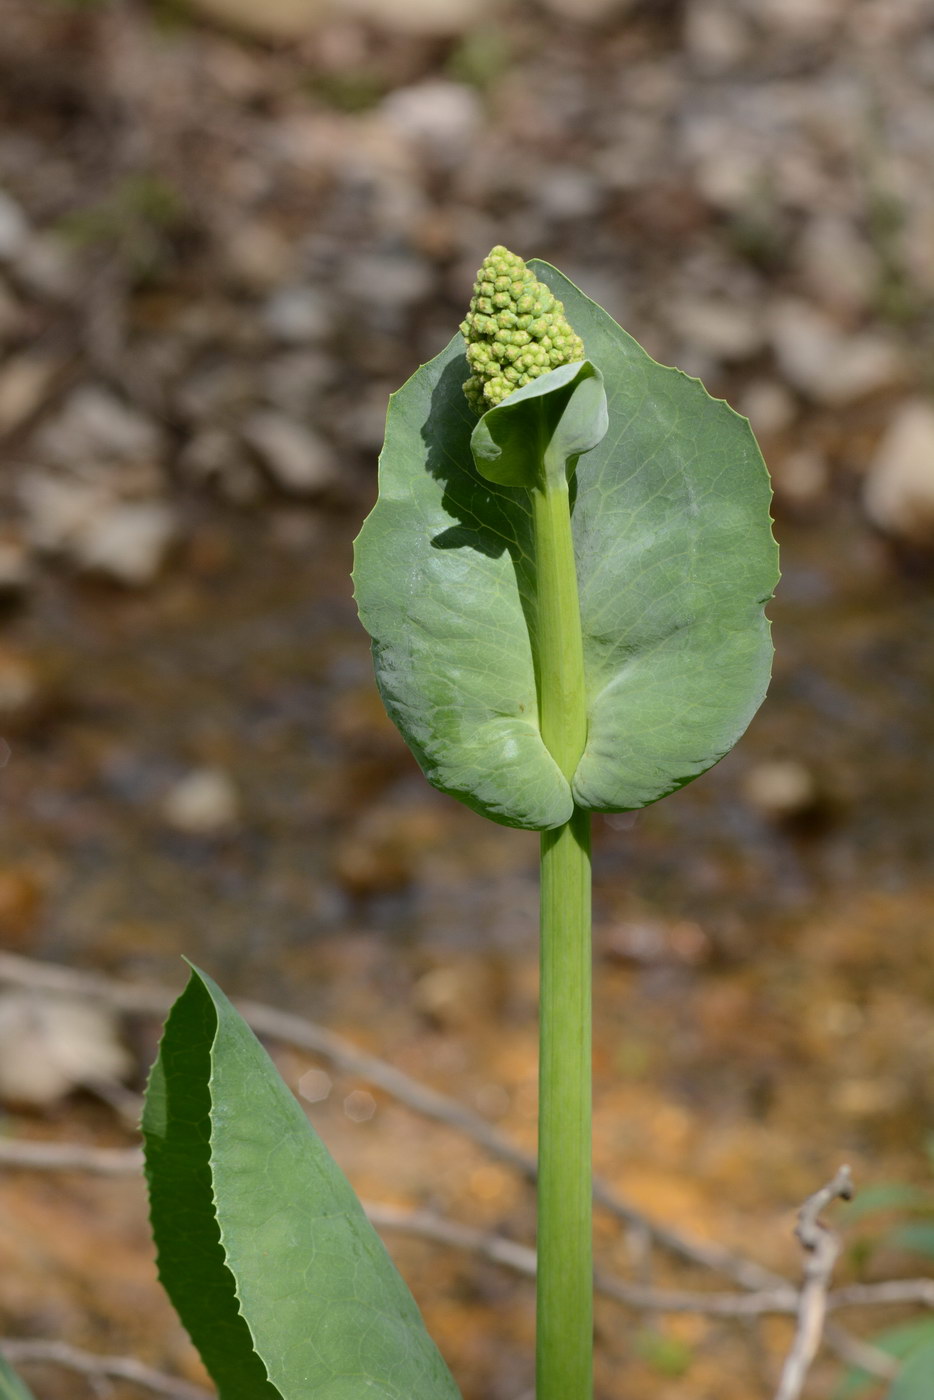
(12, 1386)
(281, 1281)
(675, 561)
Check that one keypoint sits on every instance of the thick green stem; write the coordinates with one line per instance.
(564, 1353)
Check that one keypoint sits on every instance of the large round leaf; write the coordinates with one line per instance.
(442, 574)
(675, 562)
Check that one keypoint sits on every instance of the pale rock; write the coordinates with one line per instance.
(292, 380)
(395, 281)
(439, 116)
(94, 426)
(588, 11)
(768, 406)
(290, 21)
(274, 20)
(213, 392)
(837, 264)
(125, 540)
(49, 268)
(25, 381)
(58, 509)
(727, 169)
(298, 458)
(825, 362)
(14, 228)
(297, 315)
(50, 1045)
(429, 17)
(567, 192)
(715, 36)
(802, 476)
(726, 330)
(800, 20)
(203, 803)
(15, 565)
(20, 687)
(898, 494)
(258, 256)
(214, 457)
(781, 789)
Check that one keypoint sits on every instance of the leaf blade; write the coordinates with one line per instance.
(914, 1380)
(442, 583)
(675, 563)
(324, 1307)
(12, 1385)
(191, 1260)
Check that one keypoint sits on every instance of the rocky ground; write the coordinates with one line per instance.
(227, 232)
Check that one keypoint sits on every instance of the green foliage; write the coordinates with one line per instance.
(915, 1381)
(282, 1283)
(665, 1353)
(356, 89)
(911, 1342)
(902, 1342)
(675, 561)
(12, 1386)
(566, 604)
(135, 221)
(481, 56)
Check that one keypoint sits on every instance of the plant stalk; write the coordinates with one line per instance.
(564, 1337)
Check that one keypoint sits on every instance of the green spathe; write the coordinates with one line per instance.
(264, 1249)
(542, 429)
(675, 562)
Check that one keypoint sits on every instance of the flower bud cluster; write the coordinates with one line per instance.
(515, 330)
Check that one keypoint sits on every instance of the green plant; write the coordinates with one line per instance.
(565, 599)
(11, 1385)
(894, 1216)
(564, 579)
(134, 222)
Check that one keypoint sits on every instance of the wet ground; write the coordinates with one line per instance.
(763, 977)
(221, 245)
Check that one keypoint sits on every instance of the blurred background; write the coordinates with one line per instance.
(227, 231)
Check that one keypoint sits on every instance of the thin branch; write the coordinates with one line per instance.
(302, 1034)
(346, 1058)
(70, 1157)
(822, 1248)
(896, 1290)
(519, 1258)
(853, 1351)
(96, 1368)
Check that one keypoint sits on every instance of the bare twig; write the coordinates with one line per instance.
(346, 1058)
(896, 1290)
(853, 1351)
(70, 1157)
(519, 1258)
(307, 1035)
(97, 1368)
(821, 1246)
